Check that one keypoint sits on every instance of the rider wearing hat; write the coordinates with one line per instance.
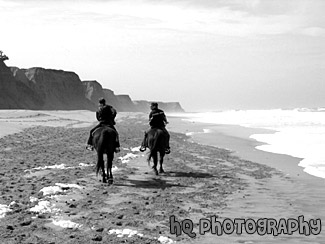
(105, 115)
(157, 119)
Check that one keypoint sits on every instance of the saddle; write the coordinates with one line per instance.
(108, 126)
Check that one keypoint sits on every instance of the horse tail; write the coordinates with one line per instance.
(109, 140)
(149, 157)
(100, 153)
(100, 161)
(153, 146)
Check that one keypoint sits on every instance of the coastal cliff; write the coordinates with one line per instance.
(60, 90)
(15, 94)
(50, 89)
(143, 105)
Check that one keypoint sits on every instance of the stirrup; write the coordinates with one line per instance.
(142, 149)
(117, 150)
(90, 147)
(167, 151)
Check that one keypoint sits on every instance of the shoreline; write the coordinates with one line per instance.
(236, 139)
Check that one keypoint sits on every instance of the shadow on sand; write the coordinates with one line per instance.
(154, 183)
(189, 174)
(160, 182)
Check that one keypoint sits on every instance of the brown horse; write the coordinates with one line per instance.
(156, 143)
(104, 139)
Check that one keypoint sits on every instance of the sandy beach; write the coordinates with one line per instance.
(50, 193)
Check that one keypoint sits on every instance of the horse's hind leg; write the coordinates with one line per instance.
(110, 178)
(155, 162)
(109, 168)
(100, 165)
(161, 160)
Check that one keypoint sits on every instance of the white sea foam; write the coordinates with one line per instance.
(298, 132)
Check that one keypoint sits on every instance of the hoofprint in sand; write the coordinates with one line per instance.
(50, 193)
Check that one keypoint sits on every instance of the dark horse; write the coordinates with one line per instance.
(104, 139)
(156, 143)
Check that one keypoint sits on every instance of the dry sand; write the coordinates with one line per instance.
(66, 202)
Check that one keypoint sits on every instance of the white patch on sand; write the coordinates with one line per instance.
(59, 166)
(51, 190)
(114, 168)
(66, 223)
(135, 149)
(67, 186)
(127, 157)
(33, 199)
(56, 166)
(44, 206)
(130, 233)
(3, 210)
(59, 187)
(165, 240)
(85, 165)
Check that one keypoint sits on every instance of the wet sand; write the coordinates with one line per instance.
(200, 181)
(289, 192)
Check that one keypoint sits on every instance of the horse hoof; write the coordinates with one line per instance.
(155, 170)
(110, 181)
(161, 171)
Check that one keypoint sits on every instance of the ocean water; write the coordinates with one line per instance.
(298, 132)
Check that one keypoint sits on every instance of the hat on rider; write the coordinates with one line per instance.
(154, 104)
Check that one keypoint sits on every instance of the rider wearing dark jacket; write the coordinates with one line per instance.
(157, 119)
(105, 115)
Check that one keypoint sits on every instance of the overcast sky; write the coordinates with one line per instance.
(206, 54)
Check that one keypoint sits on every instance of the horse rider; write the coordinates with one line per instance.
(105, 115)
(157, 119)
